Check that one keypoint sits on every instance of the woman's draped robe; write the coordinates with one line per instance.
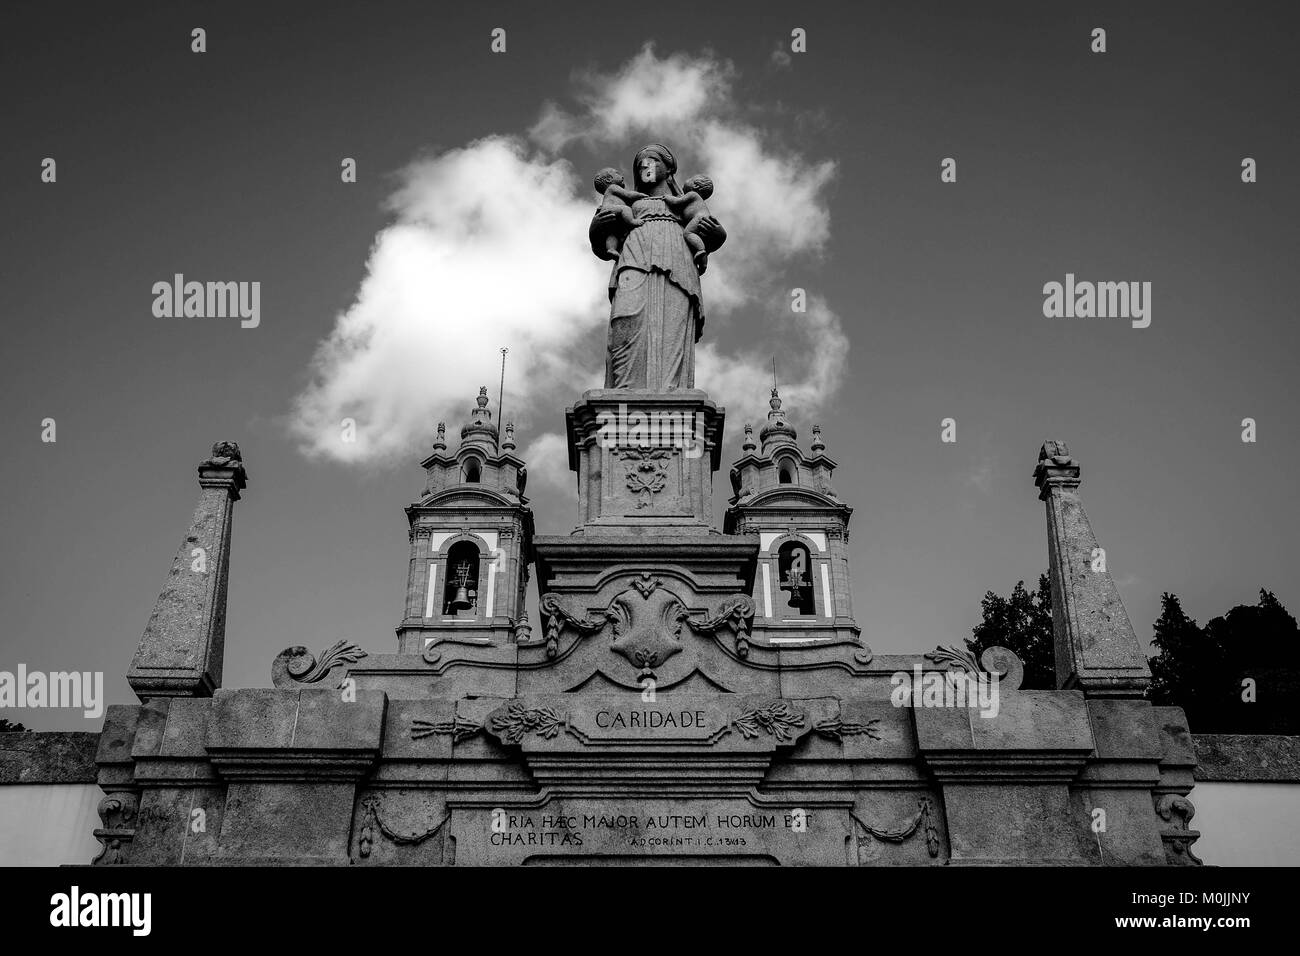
(656, 313)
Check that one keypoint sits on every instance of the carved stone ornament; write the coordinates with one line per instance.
(117, 811)
(735, 615)
(646, 474)
(1001, 662)
(823, 486)
(1179, 836)
(832, 728)
(778, 720)
(225, 454)
(458, 728)
(647, 622)
(518, 721)
(556, 616)
(372, 823)
(923, 821)
(297, 666)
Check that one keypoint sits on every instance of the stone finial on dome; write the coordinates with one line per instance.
(818, 446)
(508, 442)
(777, 431)
(748, 445)
(440, 443)
(480, 429)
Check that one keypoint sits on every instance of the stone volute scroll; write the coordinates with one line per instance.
(659, 237)
(297, 666)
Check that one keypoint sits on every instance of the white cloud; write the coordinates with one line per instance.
(489, 249)
(647, 92)
(743, 382)
(770, 198)
(548, 464)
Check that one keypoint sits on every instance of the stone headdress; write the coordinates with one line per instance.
(665, 155)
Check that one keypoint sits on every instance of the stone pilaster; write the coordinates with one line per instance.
(1096, 648)
(183, 647)
(291, 760)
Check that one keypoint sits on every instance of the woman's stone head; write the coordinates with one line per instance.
(653, 165)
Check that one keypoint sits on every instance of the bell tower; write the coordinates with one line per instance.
(801, 587)
(471, 539)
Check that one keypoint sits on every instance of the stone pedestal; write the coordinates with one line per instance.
(645, 460)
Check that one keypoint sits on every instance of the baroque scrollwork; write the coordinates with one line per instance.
(1000, 661)
(296, 666)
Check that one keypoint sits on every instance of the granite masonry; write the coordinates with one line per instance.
(684, 694)
(688, 695)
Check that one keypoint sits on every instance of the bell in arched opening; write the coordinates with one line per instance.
(795, 577)
(460, 597)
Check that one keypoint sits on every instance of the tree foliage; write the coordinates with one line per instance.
(1022, 622)
(1213, 672)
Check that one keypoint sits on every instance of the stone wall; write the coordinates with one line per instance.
(48, 799)
(1247, 799)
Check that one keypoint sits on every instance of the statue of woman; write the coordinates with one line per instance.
(656, 313)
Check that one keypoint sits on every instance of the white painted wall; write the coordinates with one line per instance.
(1247, 824)
(48, 824)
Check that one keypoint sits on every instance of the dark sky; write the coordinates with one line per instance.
(1122, 166)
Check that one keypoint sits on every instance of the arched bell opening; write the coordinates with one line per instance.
(794, 569)
(460, 595)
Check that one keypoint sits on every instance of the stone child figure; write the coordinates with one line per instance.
(690, 207)
(610, 184)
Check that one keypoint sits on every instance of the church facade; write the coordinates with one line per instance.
(686, 693)
(682, 693)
